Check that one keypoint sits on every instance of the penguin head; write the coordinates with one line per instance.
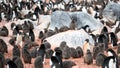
(87, 40)
(11, 64)
(111, 52)
(42, 46)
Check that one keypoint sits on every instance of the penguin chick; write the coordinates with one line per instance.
(88, 59)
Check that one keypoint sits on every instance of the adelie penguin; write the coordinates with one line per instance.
(4, 31)
(100, 58)
(88, 59)
(58, 54)
(26, 55)
(97, 49)
(79, 51)
(66, 52)
(3, 46)
(113, 39)
(2, 60)
(47, 44)
(111, 61)
(31, 35)
(68, 64)
(11, 64)
(18, 62)
(41, 52)
(63, 44)
(102, 38)
(41, 35)
(74, 53)
(54, 62)
(49, 53)
(16, 51)
(38, 62)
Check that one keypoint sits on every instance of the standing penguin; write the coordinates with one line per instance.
(115, 58)
(3, 46)
(38, 62)
(18, 62)
(55, 63)
(2, 60)
(49, 53)
(109, 62)
(86, 46)
(58, 54)
(32, 36)
(26, 55)
(41, 51)
(113, 39)
(79, 51)
(74, 53)
(88, 57)
(11, 64)
(100, 58)
(16, 51)
(4, 31)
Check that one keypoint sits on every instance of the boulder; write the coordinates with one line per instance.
(82, 19)
(63, 18)
(73, 38)
(112, 12)
(59, 19)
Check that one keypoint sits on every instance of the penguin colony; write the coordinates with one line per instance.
(24, 43)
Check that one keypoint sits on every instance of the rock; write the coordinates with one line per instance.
(112, 12)
(62, 18)
(59, 19)
(82, 19)
(73, 38)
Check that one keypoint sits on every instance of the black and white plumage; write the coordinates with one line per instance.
(38, 62)
(18, 62)
(58, 54)
(55, 63)
(109, 62)
(11, 64)
(88, 59)
(114, 59)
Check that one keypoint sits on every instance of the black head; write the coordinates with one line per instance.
(111, 52)
(88, 51)
(87, 40)
(42, 46)
(11, 64)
